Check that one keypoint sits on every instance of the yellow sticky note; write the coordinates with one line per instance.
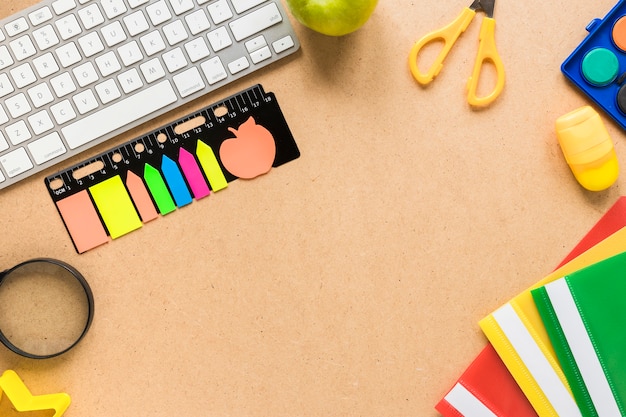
(115, 207)
(211, 167)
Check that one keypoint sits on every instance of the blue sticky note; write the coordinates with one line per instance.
(175, 182)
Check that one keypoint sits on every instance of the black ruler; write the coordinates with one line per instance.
(117, 191)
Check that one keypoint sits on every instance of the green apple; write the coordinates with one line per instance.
(332, 17)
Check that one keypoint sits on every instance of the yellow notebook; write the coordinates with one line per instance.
(517, 333)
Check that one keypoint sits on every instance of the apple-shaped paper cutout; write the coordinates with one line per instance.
(251, 152)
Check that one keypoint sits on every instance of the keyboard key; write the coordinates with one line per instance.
(23, 48)
(63, 84)
(245, 5)
(152, 43)
(119, 114)
(130, 53)
(68, 27)
(261, 55)
(62, 6)
(91, 16)
(213, 70)
(4, 145)
(175, 60)
(197, 22)
(40, 122)
(108, 91)
(45, 37)
(40, 16)
(113, 8)
(152, 70)
(68, 54)
(108, 64)
(130, 80)
(6, 87)
(40, 95)
(256, 43)
(23, 75)
(85, 101)
(255, 22)
(46, 148)
(219, 11)
(189, 82)
(136, 3)
(18, 132)
(3, 116)
(85, 74)
(283, 44)
(91, 44)
(113, 34)
(238, 65)
(63, 112)
(136, 23)
(175, 32)
(181, 6)
(45, 65)
(16, 27)
(16, 162)
(219, 39)
(197, 49)
(158, 13)
(5, 57)
(17, 105)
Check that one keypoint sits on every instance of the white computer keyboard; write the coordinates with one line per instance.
(74, 73)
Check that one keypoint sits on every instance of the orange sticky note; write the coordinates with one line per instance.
(82, 221)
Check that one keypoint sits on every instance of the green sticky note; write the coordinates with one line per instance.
(158, 189)
(115, 207)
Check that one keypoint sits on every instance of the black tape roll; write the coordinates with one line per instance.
(83, 283)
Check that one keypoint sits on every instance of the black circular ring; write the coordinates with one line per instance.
(90, 306)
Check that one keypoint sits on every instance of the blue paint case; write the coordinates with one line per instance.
(598, 65)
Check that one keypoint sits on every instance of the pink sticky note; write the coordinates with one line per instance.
(193, 175)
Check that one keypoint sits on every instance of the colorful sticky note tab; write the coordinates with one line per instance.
(82, 221)
(141, 198)
(115, 206)
(158, 189)
(192, 172)
(211, 167)
(175, 182)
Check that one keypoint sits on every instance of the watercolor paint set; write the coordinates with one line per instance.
(117, 191)
(598, 65)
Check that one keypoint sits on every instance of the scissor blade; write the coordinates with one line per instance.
(485, 6)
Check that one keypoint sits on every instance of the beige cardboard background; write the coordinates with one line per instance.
(348, 282)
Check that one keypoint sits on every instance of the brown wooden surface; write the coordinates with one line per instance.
(348, 282)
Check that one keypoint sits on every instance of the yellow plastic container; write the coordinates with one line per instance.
(588, 148)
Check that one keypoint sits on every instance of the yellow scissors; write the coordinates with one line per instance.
(486, 51)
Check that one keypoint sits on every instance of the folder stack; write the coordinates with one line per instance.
(559, 347)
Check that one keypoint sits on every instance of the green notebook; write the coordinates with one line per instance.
(585, 316)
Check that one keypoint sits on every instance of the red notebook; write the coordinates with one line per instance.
(487, 387)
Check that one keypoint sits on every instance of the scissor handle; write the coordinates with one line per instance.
(448, 34)
(486, 53)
